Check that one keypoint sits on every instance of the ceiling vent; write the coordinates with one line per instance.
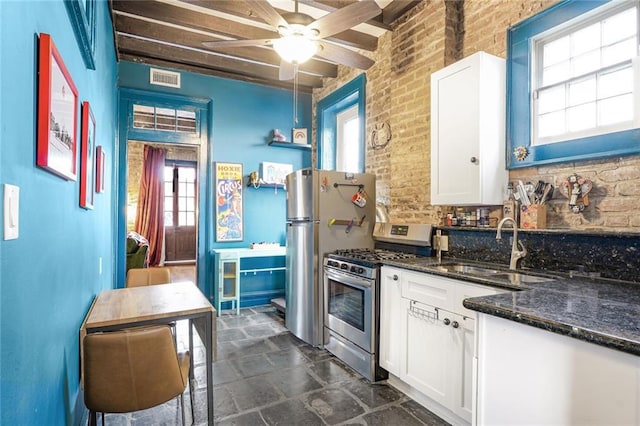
(164, 78)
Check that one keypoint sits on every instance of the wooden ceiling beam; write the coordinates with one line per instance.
(396, 9)
(242, 9)
(149, 49)
(156, 31)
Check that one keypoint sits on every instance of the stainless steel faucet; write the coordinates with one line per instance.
(515, 253)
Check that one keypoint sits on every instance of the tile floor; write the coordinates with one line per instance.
(265, 376)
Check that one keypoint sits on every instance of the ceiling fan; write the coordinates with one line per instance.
(301, 37)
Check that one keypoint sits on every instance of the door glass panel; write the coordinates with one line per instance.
(347, 304)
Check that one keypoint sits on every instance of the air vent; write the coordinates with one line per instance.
(164, 78)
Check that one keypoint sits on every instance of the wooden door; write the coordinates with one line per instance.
(180, 200)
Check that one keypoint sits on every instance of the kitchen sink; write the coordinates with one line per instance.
(467, 269)
(490, 273)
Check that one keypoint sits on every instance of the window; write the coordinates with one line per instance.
(164, 119)
(573, 83)
(180, 195)
(348, 140)
(583, 76)
(341, 127)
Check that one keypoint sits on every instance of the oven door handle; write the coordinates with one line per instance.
(361, 283)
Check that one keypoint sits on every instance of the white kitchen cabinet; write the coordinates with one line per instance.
(530, 376)
(391, 324)
(468, 132)
(427, 338)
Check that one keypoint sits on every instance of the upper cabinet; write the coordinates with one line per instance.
(468, 132)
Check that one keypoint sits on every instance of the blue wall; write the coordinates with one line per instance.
(241, 119)
(49, 275)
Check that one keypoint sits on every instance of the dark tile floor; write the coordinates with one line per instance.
(265, 376)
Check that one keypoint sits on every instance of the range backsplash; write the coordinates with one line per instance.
(613, 255)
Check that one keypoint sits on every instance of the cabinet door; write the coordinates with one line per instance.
(428, 351)
(454, 140)
(463, 366)
(391, 320)
(467, 132)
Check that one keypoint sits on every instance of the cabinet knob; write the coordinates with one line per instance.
(446, 321)
(455, 324)
(473, 160)
(395, 278)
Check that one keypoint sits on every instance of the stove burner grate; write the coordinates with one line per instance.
(373, 255)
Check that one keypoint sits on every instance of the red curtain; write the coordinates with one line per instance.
(150, 213)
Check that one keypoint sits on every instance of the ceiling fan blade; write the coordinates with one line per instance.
(287, 71)
(346, 17)
(264, 10)
(344, 56)
(237, 43)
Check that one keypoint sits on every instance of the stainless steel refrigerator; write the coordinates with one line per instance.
(323, 215)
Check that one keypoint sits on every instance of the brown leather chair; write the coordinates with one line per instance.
(138, 277)
(133, 369)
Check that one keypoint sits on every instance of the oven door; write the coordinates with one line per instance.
(349, 305)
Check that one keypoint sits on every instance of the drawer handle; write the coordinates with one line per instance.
(395, 278)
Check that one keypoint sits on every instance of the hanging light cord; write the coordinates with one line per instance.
(295, 94)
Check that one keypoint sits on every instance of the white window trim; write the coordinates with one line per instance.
(560, 31)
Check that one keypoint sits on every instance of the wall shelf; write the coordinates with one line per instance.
(290, 145)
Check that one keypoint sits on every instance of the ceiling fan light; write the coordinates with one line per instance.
(295, 49)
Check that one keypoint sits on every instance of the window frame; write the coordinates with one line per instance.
(327, 109)
(520, 98)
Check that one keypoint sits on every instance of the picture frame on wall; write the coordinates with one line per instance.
(100, 165)
(82, 14)
(87, 152)
(229, 202)
(57, 113)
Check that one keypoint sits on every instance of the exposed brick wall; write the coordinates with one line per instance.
(425, 40)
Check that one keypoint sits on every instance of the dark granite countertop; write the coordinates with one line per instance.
(601, 311)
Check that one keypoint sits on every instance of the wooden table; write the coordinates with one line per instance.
(157, 304)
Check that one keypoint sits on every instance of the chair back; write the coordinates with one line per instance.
(132, 369)
(138, 277)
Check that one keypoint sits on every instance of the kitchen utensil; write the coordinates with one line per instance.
(547, 194)
(524, 197)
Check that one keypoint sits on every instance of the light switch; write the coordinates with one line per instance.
(11, 210)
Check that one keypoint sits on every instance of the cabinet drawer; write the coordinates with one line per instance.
(428, 289)
(465, 291)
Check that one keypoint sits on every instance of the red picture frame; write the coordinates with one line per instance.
(57, 113)
(100, 164)
(87, 152)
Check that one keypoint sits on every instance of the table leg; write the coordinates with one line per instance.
(208, 337)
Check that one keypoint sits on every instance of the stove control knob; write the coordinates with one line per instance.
(361, 270)
(455, 324)
(357, 270)
(446, 321)
(344, 266)
(332, 263)
(395, 278)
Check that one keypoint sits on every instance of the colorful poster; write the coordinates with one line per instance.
(229, 224)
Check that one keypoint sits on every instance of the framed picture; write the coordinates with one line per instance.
(82, 14)
(100, 164)
(87, 162)
(229, 215)
(57, 113)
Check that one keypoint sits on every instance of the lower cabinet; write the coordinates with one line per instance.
(530, 376)
(430, 348)
(391, 330)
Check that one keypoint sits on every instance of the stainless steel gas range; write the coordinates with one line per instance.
(352, 286)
